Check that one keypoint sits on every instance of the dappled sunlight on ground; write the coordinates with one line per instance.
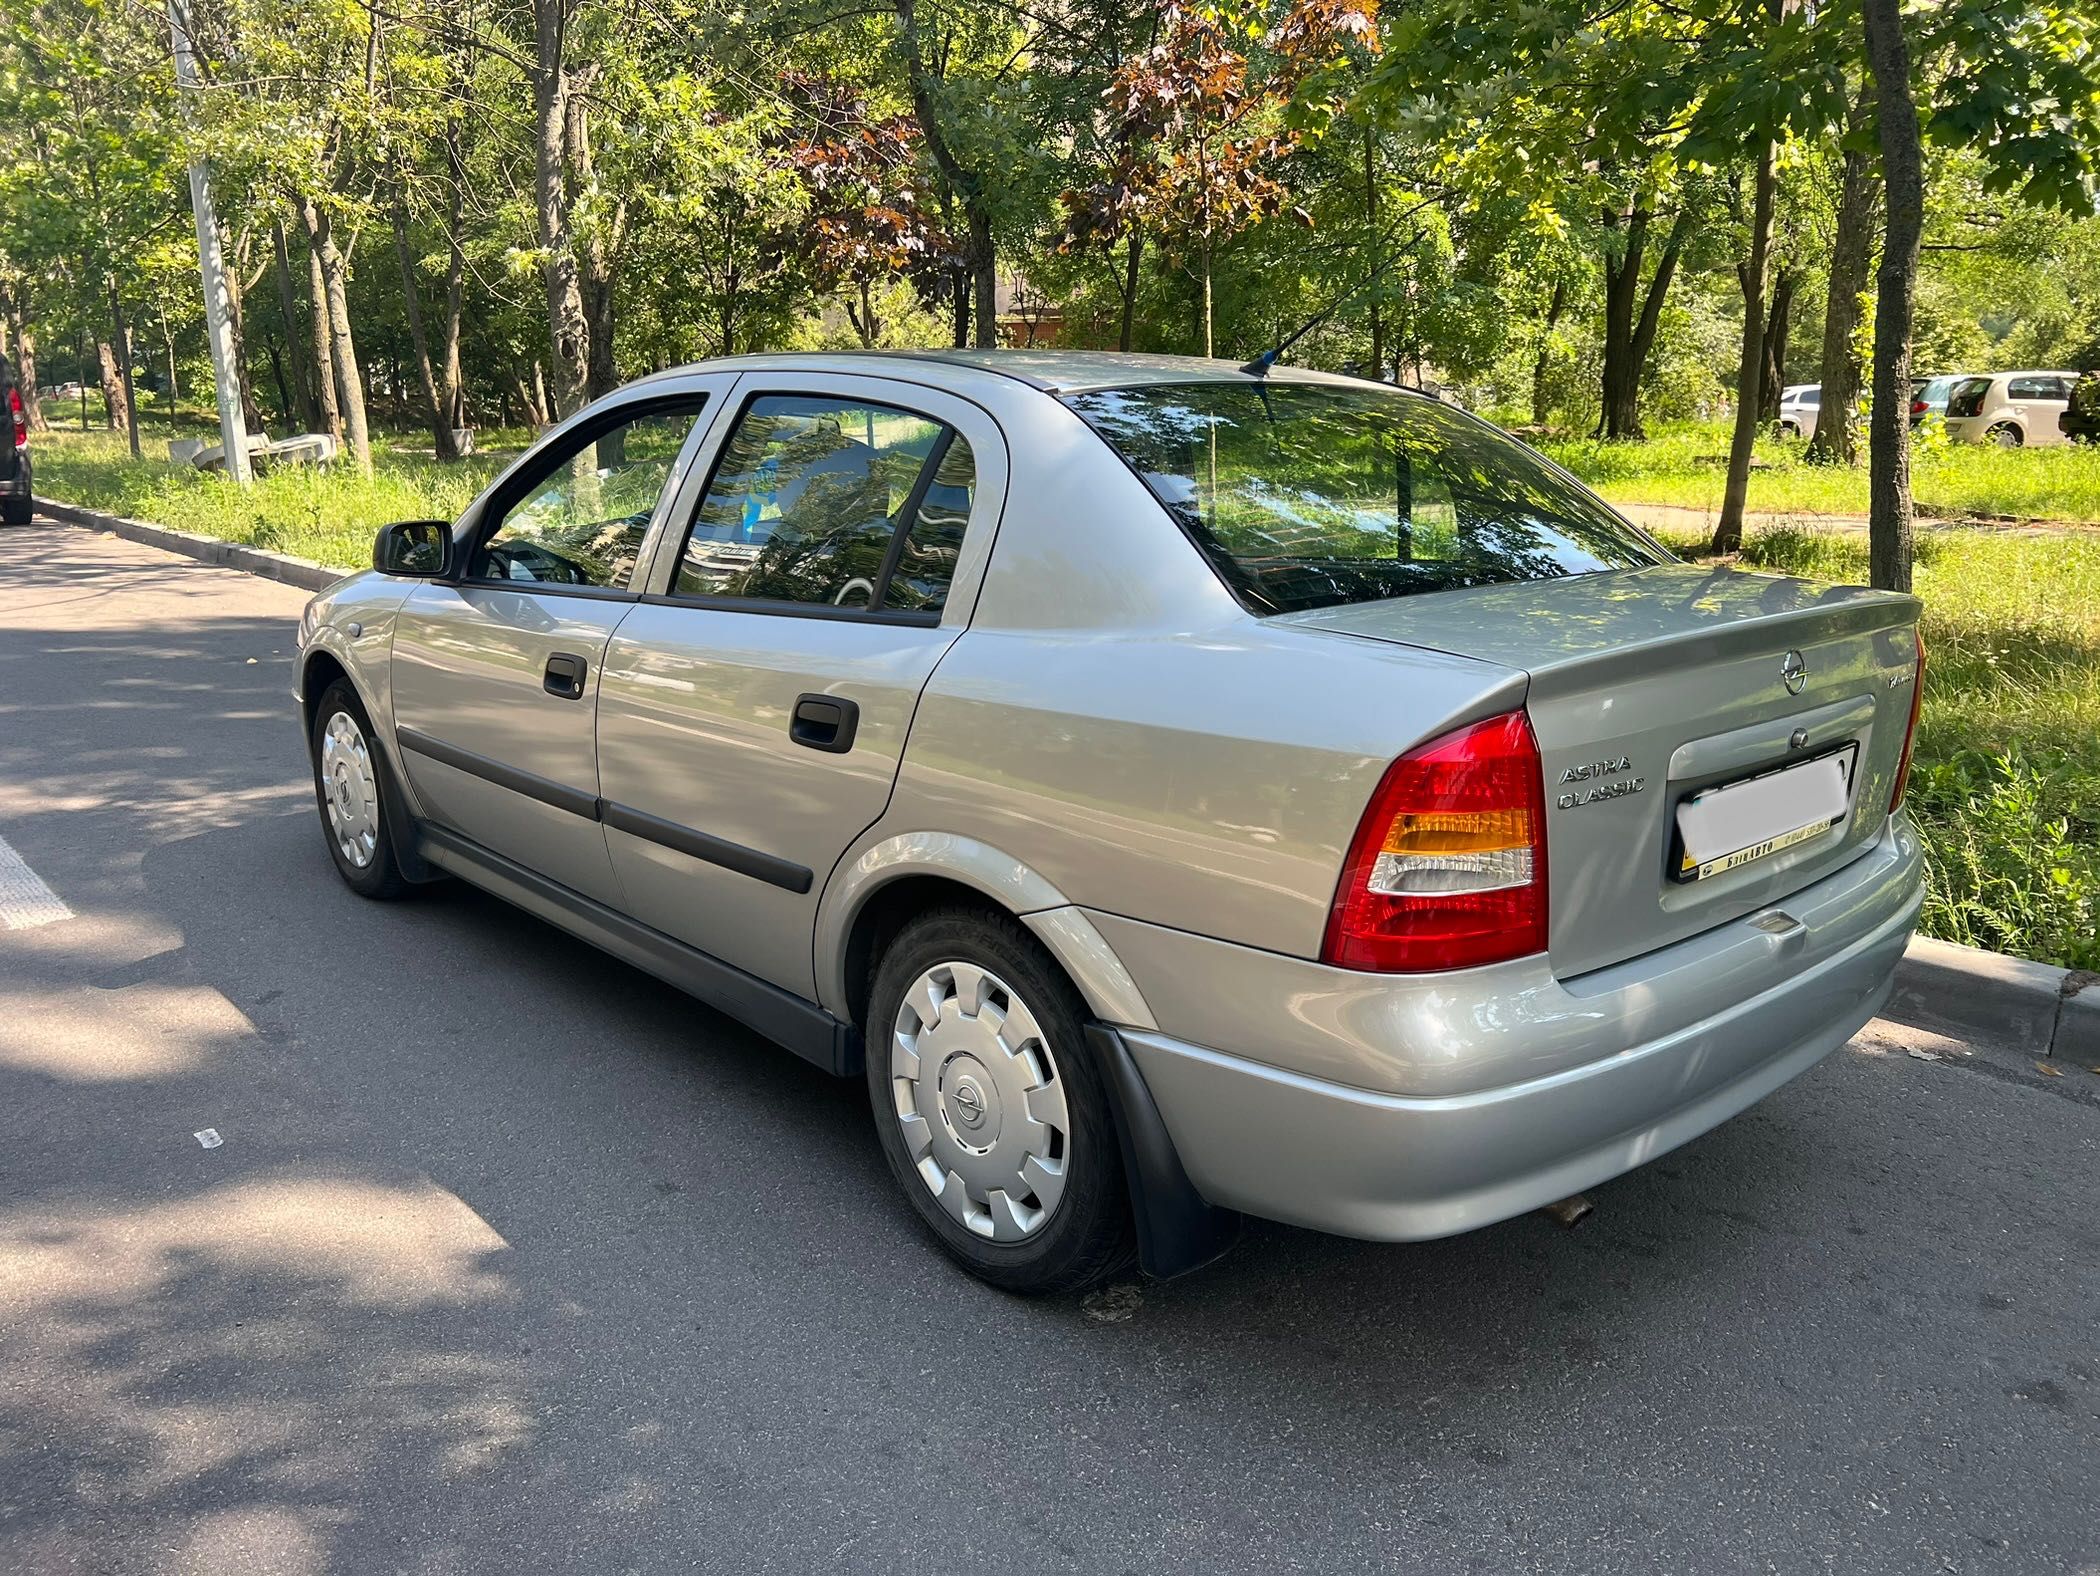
(165, 1358)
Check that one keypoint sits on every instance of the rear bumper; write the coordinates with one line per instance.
(1315, 1152)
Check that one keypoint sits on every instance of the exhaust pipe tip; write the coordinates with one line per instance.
(1569, 1212)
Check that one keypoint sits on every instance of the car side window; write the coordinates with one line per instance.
(584, 522)
(933, 537)
(831, 501)
(2035, 388)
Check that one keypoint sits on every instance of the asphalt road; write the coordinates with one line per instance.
(511, 1259)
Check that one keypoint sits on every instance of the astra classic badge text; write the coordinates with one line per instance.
(1605, 780)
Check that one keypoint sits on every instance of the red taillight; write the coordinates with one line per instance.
(14, 405)
(1448, 866)
(1918, 407)
(1910, 734)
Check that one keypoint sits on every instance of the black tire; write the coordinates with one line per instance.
(380, 876)
(16, 510)
(1087, 1235)
(2006, 436)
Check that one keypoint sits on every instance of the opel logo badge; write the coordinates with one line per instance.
(969, 1104)
(1793, 673)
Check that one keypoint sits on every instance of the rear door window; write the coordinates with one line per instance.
(1306, 495)
(821, 500)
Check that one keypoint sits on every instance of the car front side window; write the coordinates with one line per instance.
(830, 501)
(584, 521)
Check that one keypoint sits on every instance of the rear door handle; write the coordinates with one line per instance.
(824, 722)
(565, 674)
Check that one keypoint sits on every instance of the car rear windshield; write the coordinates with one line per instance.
(1967, 399)
(1306, 495)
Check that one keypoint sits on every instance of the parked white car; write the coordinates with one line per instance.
(2010, 409)
(1798, 406)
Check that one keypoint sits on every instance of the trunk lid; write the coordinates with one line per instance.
(1649, 685)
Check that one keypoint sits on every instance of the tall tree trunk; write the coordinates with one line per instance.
(968, 185)
(530, 397)
(1902, 164)
(285, 403)
(251, 409)
(295, 368)
(1371, 219)
(984, 277)
(962, 306)
(1132, 260)
(113, 410)
(25, 363)
(598, 264)
(1540, 363)
(568, 330)
(434, 413)
(1750, 371)
(350, 383)
(1632, 316)
(120, 336)
(1837, 441)
(1778, 329)
(451, 385)
(329, 411)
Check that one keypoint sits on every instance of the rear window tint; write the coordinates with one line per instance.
(2038, 388)
(1310, 495)
(1967, 399)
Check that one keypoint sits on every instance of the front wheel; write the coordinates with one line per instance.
(2006, 436)
(350, 786)
(990, 1110)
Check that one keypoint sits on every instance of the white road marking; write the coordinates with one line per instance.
(25, 902)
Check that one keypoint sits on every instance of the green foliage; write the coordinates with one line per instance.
(326, 515)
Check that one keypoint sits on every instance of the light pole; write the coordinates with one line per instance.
(218, 303)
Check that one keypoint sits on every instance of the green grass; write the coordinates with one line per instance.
(2005, 781)
(1685, 466)
(328, 515)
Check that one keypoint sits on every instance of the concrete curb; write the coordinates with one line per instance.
(302, 572)
(1964, 993)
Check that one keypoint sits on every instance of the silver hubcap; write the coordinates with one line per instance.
(979, 1102)
(350, 790)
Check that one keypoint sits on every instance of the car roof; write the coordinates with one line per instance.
(1052, 371)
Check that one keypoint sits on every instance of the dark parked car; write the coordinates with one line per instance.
(16, 502)
(2080, 421)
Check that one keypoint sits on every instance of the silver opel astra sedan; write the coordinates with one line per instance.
(1181, 791)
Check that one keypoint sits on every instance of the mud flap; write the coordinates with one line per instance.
(1178, 1230)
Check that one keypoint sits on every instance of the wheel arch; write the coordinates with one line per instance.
(875, 892)
(318, 669)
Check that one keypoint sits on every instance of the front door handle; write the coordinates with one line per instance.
(824, 722)
(565, 673)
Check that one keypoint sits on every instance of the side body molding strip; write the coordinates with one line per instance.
(752, 862)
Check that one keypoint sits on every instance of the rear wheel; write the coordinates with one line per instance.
(350, 786)
(16, 510)
(2006, 435)
(988, 1105)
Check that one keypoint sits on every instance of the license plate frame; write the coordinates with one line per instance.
(1685, 870)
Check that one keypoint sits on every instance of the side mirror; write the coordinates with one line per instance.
(420, 549)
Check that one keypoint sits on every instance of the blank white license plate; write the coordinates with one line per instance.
(1722, 829)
